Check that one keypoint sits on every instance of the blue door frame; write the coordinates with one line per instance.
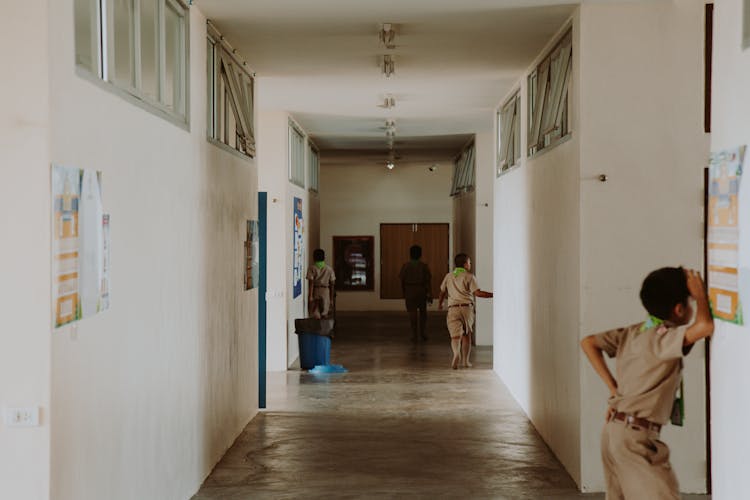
(263, 239)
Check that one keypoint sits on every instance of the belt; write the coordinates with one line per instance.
(636, 421)
(320, 286)
(461, 305)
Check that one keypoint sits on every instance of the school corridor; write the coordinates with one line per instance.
(171, 166)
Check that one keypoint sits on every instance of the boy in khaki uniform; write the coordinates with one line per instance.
(649, 365)
(321, 280)
(460, 286)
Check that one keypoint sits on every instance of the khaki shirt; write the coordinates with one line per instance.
(321, 278)
(460, 288)
(416, 280)
(649, 366)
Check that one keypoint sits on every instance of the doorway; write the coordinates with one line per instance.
(395, 240)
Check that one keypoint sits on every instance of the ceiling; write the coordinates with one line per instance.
(321, 61)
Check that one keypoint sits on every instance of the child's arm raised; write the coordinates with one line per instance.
(703, 326)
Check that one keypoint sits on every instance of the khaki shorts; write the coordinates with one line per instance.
(322, 297)
(460, 321)
(636, 463)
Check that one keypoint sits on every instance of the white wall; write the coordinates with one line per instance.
(25, 265)
(536, 304)
(482, 258)
(356, 199)
(730, 371)
(273, 177)
(559, 231)
(646, 135)
(148, 395)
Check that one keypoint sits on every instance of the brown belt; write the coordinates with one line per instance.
(636, 421)
(461, 305)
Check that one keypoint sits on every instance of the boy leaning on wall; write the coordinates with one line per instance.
(649, 365)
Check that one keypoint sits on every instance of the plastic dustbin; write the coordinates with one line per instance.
(314, 336)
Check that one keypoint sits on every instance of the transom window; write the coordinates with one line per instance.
(509, 134)
(296, 156)
(314, 169)
(230, 97)
(464, 171)
(548, 96)
(138, 46)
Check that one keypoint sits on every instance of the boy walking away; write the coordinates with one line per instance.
(460, 286)
(416, 283)
(649, 364)
(321, 280)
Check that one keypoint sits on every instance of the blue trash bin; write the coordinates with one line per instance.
(314, 336)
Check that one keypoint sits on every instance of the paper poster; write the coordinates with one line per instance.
(725, 174)
(252, 251)
(298, 249)
(80, 263)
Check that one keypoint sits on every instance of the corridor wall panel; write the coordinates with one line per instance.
(148, 395)
(25, 264)
(730, 372)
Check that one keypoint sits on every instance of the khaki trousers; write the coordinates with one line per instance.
(322, 298)
(636, 464)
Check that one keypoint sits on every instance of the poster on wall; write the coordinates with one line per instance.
(252, 250)
(299, 248)
(725, 174)
(80, 245)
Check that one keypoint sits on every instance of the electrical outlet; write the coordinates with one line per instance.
(22, 417)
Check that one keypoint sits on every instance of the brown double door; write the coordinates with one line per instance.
(395, 241)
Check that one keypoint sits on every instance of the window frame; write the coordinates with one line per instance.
(516, 153)
(464, 171)
(540, 76)
(102, 40)
(222, 64)
(313, 168)
(296, 169)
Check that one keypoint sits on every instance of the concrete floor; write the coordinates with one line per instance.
(400, 424)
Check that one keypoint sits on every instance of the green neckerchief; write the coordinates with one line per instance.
(320, 264)
(651, 322)
(415, 260)
(458, 271)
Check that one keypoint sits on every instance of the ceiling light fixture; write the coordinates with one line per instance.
(389, 65)
(387, 34)
(388, 102)
(390, 165)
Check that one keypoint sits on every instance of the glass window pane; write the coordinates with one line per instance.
(123, 41)
(211, 89)
(87, 41)
(149, 50)
(173, 64)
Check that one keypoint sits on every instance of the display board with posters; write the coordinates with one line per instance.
(299, 248)
(725, 174)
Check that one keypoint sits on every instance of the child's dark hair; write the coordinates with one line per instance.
(415, 252)
(663, 289)
(460, 260)
(319, 255)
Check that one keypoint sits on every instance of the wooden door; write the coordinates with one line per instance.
(395, 241)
